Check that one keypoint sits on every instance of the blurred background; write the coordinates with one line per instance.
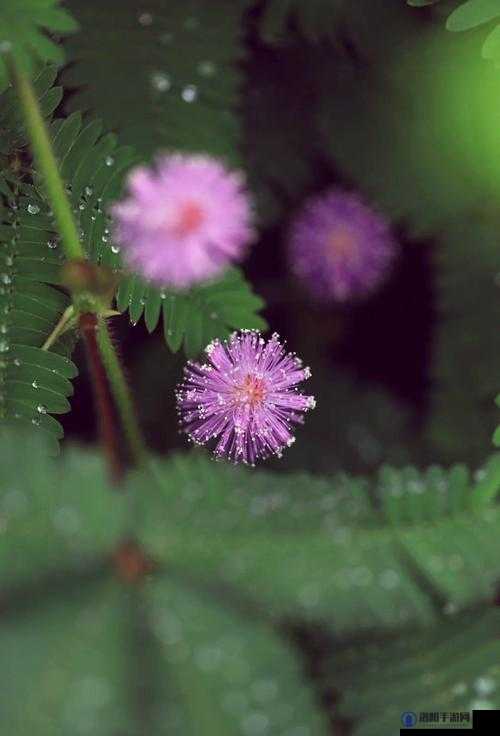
(373, 97)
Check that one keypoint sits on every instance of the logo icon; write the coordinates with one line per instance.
(408, 719)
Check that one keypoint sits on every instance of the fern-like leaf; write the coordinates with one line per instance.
(34, 383)
(161, 98)
(24, 28)
(450, 668)
(346, 562)
(196, 317)
(113, 657)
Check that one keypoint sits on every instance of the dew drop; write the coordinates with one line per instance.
(115, 249)
(88, 191)
(4, 346)
(16, 362)
(484, 685)
(145, 19)
(189, 93)
(109, 160)
(52, 244)
(9, 260)
(206, 68)
(33, 209)
(5, 278)
(161, 81)
(41, 409)
(4, 329)
(34, 384)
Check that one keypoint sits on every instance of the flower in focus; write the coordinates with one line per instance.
(340, 248)
(246, 396)
(183, 221)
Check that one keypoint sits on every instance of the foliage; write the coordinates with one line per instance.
(212, 538)
(162, 99)
(34, 383)
(179, 657)
(24, 25)
(450, 668)
(470, 14)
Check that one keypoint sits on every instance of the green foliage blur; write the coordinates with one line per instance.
(357, 577)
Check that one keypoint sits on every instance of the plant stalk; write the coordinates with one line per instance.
(60, 327)
(109, 436)
(46, 160)
(121, 392)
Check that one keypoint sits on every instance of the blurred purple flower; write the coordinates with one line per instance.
(183, 221)
(340, 248)
(246, 396)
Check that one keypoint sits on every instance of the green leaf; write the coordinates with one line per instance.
(196, 317)
(245, 529)
(24, 28)
(79, 647)
(162, 98)
(53, 516)
(163, 655)
(471, 14)
(223, 675)
(452, 667)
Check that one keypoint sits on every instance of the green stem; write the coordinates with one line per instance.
(121, 393)
(46, 160)
(59, 328)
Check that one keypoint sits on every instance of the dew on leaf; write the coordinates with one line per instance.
(33, 209)
(189, 93)
(161, 81)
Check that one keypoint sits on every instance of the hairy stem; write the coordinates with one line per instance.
(46, 160)
(104, 408)
(121, 392)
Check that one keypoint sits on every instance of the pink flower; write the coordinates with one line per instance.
(184, 221)
(339, 247)
(245, 396)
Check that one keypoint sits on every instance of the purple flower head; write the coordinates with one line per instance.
(183, 221)
(246, 395)
(339, 247)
